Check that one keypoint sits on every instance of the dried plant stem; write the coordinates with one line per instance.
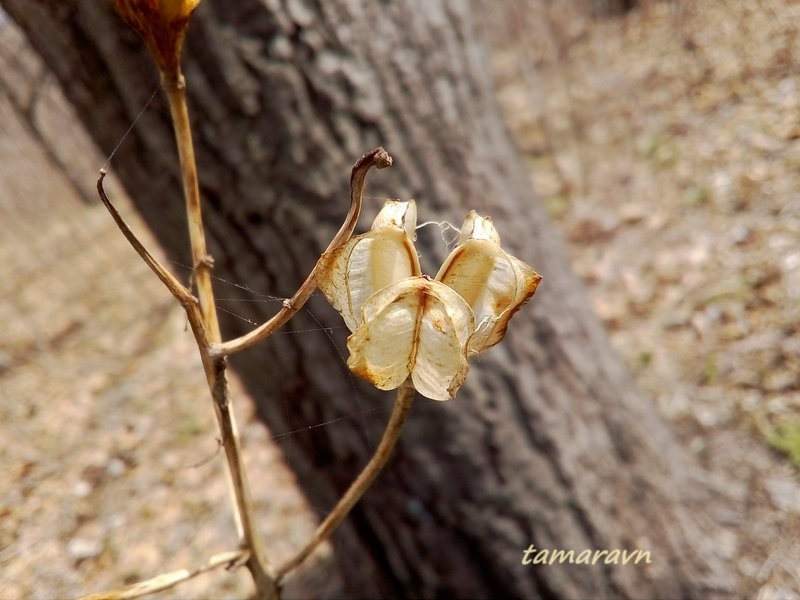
(205, 327)
(166, 581)
(215, 367)
(163, 31)
(175, 89)
(378, 158)
(402, 407)
(176, 288)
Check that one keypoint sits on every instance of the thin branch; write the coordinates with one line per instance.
(378, 158)
(257, 563)
(402, 407)
(215, 370)
(173, 83)
(175, 88)
(166, 581)
(205, 327)
(177, 289)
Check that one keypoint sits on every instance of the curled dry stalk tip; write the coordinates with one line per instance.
(175, 287)
(377, 158)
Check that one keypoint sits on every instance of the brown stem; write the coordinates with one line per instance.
(166, 581)
(402, 407)
(177, 289)
(215, 370)
(376, 158)
(213, 353)
(205, 326)
(175, 88)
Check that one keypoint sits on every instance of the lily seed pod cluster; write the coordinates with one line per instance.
(405, 323)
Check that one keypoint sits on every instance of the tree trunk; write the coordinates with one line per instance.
(549, 443)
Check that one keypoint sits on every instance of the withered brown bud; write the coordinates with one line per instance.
(162, 25)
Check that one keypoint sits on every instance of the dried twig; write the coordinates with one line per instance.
(166, 581)
(163, 28)
(402, 407)
(175, 287)
(376, 158)
(176, 95)
(215, 369)
(174, 85)
(214, 362)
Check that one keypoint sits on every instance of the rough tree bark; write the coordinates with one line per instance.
(549, 442)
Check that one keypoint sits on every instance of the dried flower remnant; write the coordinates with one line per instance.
(162, 25)
(370, 261)
(494, 283)
(416, 326)
(403, 323)
(406, 324)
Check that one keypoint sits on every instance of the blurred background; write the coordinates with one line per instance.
(664, 140)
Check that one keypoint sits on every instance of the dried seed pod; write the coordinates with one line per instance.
(405, 324)
(494, 283)
(418, 327)
(370, 261)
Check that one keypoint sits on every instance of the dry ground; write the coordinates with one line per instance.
(666, 145)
